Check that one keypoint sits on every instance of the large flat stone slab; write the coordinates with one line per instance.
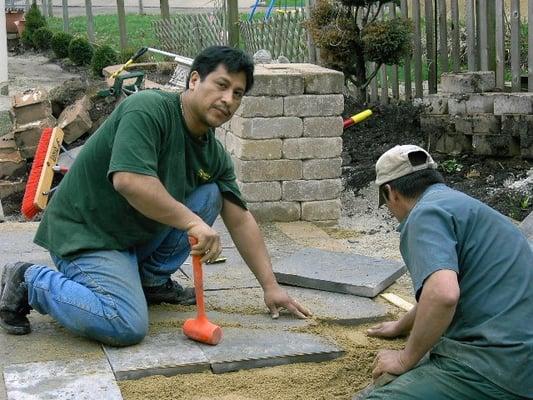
(16, 244)
(231, 274)
(256, 348)
(163, 354)
(526, 226)
(339, 272)
(60, 380)
(335, 307)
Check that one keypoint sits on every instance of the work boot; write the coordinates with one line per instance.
(14, 304)
(169, 292)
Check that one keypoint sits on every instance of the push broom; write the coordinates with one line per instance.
(199, 328)
(37, 189)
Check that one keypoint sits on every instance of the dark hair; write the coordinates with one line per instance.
(415, 183)
(235, 60)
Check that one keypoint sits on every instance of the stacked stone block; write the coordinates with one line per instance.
(468, 116)
(285, 141)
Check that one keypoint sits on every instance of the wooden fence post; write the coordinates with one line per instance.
(443, 35)
(431, 47)
(165, 9)
(233, 20)
(456, 57)
(500, 43)
(65, 15)
(90, 20)
(122, 24)
(530, 46)
(417, 51)
(311, 48)
(471, 34)
(515, 45)
(141, 8)
(50, 8)
(407, 62)
(491, 32)
(483, 36)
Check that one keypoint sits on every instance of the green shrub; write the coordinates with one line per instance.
(60, 42)
(34, 21)
(103, 56)
(42, 37)
(80, 51)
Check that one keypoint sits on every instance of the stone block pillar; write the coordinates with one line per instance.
(285, 141)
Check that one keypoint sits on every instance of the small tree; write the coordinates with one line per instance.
(349, 34)
(34, 21)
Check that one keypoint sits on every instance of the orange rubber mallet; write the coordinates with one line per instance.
(199, 328)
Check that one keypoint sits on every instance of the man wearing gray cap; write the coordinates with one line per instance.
(472, 272)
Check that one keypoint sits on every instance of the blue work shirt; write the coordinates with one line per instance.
(492, 329)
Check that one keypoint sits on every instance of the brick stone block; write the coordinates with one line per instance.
(6, 123)
(468, 82)
(7, 143)
(306, 148)
(323, 126)
(261, 106)
(320, 80)
(433, 104)
(437, 124)
(75, 120)
(266, 171)
(464, 124)
(220, 134)
(276, 80)
(514, 125)
(250, 149)
(526, 139)
(279, 211)
(27, 136)
(452, 144)
(480, 103)
(313, 105)
(325, 189)
(267, 128)
(7, 188)
(326, 168)
(457, 105)
(486, 124)
(515, 103)
(31, 105)
(12, 164)
(260, 191)
(321, 210)
(495, 145)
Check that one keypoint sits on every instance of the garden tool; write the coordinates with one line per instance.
(119, 78)
(354, 119)
(199, 328)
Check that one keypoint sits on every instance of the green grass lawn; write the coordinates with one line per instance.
(138, 27)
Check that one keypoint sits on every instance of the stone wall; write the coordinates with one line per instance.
(468, 116)
(285, 141)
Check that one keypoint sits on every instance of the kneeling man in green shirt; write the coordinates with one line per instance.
(472, 272)
(117, 228)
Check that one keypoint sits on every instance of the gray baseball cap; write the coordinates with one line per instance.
(395, 163)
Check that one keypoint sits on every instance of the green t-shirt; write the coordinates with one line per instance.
(144, 135)
(492, 329)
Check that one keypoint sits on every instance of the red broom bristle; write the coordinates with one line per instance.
(29, 209)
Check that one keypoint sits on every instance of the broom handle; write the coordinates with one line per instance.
(198, 281)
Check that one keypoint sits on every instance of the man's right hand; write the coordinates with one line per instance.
(389, 330)
(208, 246)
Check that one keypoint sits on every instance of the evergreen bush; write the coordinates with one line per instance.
(42, 37)
(80, 51)
(103, 56)
(60, 42)
(34, 21)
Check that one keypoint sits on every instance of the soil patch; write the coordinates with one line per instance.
(505, 184)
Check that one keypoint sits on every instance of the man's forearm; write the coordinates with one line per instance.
(148, 196)
(434, 313)
(249, 241)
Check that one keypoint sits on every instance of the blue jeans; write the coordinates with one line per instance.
(99, 294)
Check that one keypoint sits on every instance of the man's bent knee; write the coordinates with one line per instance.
(125, 333)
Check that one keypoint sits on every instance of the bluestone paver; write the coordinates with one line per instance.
(61, 380)
(231, 274)
(16, 244)
(335, 307)
(526, 226)
(338, 272)
(161, 354)
(256, 348)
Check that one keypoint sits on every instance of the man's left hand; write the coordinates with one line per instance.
(277, 298)
(391, 361)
